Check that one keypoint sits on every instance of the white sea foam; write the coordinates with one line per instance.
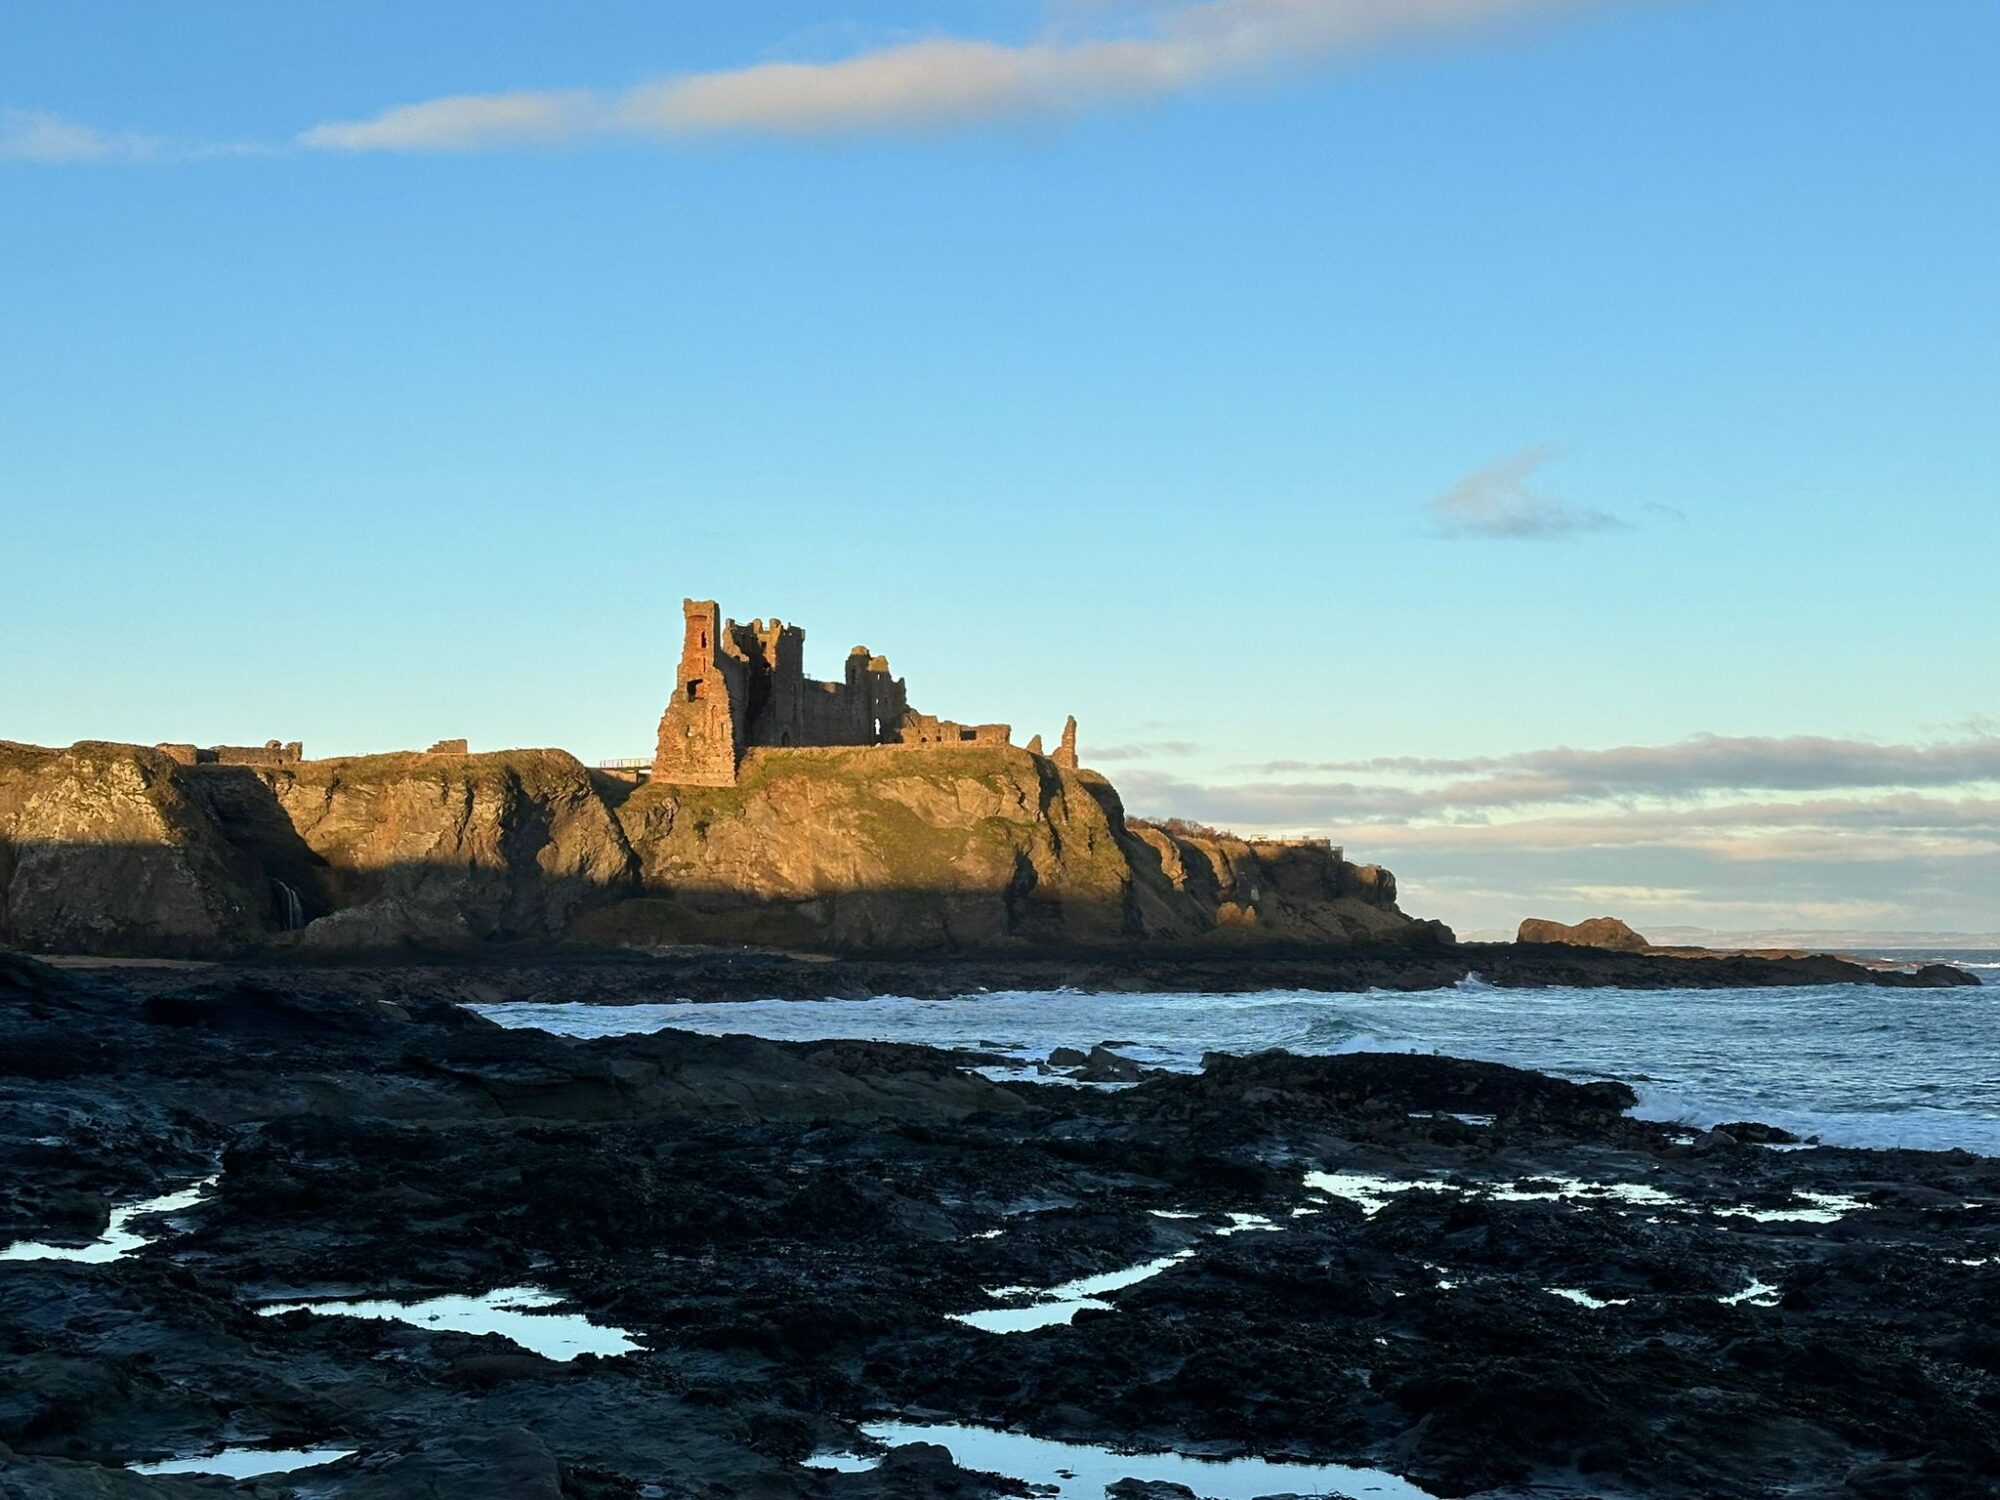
(1247, 1224)
(1555, 1189)
(1759, 1293)
(841, 1463)
(1825, 1208)
(1373, 1193)
(1369, 1192)
(1584, 1299)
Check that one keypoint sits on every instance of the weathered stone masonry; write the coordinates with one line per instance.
(743, 687)
(270, 753)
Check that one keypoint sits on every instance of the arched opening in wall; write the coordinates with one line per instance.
(704, 640)
(785, 739)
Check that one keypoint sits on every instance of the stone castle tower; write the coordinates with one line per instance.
(743, 687)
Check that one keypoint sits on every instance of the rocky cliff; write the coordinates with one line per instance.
(118, 849)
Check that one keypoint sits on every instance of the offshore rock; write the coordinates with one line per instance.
(1597, 932)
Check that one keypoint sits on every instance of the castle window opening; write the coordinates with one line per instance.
(694, 690)
(968, 734)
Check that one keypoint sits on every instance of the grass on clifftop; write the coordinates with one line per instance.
(938, 764)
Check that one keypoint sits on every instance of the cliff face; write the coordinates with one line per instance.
(879, 847)
(486, 848)
(102, 850)
(1298, 890)
(116, 849)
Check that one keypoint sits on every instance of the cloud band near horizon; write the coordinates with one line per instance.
(1741, 824)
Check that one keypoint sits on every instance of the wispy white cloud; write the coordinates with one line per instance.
(1699, 764)
(936, 83)
(1145, 750)
(1500, 501)
(469, 122)
(35, 136)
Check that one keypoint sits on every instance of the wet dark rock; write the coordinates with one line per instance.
(1749, 1132)
(1388, 1086)
(786, 1228)
(511, 1461)
(712, 974)
(1102, 1065)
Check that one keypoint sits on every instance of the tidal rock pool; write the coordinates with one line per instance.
(1046, 1307)
(1080, 1471)
(119, 1239)
(517, 1313)
(247, 1463)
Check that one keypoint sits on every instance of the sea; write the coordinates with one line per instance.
(1846, 1065)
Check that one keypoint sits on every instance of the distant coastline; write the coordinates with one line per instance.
(1818, 940)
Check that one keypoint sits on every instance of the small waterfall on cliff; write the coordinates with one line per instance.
(291, 910)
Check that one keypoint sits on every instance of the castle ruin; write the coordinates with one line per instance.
(270, 753)
(743, 687)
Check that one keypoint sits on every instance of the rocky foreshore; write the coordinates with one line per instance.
(1478, 1279)
(594, 976)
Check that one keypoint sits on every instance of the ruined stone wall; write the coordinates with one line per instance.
(927, 729)
(832, 714)
(270, 753)
(776, 683)
(744, 686)
(782, 708)
(881, 701)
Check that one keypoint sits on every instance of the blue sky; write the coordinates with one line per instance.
(1283, 386)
